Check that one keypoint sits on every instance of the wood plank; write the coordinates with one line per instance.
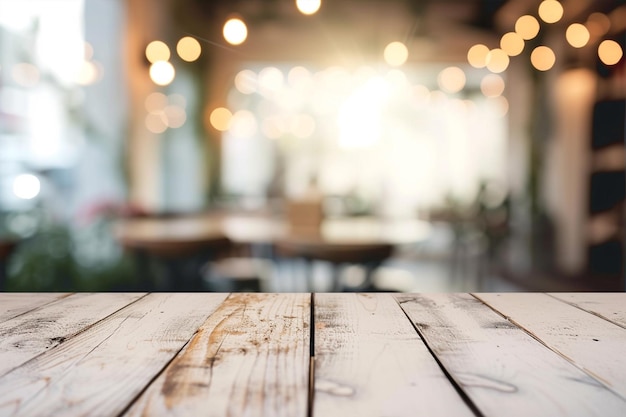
(501, 367)
(250, 358)
(593, 344)
(28, 335)
(370, 361)
(12, 304)
(609, 305)
(101, 370)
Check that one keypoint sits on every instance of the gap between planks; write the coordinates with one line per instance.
(457, 387)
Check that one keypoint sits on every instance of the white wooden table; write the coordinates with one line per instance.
(214, 354)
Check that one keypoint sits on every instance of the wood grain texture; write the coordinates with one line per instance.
(101, 370)
(370, 361)
(501, 368)
(608, 305)
(15, 303)
(250, 358)
(593, 344)
(28, 335)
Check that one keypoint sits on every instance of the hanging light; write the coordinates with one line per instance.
(308, 7)
(235, 31)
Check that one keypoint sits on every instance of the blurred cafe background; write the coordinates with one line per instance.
(306, 145)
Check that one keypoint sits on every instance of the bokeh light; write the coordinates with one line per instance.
(243, 124)
(308, 7)
(273, 127)
(156, 122)
(26, 186)
(175, 116)
(577, 35)
(302, 126)
(220, 119)
(235, 31)
(492, 85)
(88, 73)
(542, 58)
(512, 43)
(477, 56)
(26, 75)
(610, 52)
(501, 106)
(270, 80)
(497, 60)
(157, 51)
(155, 102)
(451, 79)
(550, 11)
(188, 49)
(527, 27)
(246, 81)
(162, 72)
(598, 24)
(396, 54)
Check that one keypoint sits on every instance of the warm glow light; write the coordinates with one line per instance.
(88, 73)
(527, 27)
(359, 117)
(299, 77)
(220, 119)
(26, 75)
(451, 79)
(246, 81)
(270, 80)
(162, 72)
(497, 60)
(308, 7)
(396, 54)
(157, 51)
(175, 116)
(542, 58)
(235, 31)
(477, 56)
(302, 126)
(26, 186)
(598, 24)
(273, 127)
(502, 105)
(492, 85)
(177, 100)
(155, 102)
(550, 11)
(577, 35)
(610, 52)
(243, 124)
(512, 43)
(188, 49)
(156, 122)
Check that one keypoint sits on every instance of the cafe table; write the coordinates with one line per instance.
(313, 354)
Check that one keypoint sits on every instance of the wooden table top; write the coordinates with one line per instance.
(323, 354)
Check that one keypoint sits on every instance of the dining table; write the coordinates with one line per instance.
(366, 241)
(312, 354)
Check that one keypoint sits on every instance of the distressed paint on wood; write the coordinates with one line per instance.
(15, 303)
(608, 305)
(250, 358)
(101, 370)
(593, 344)
(28, 335)
(370, 361)
(499, 366)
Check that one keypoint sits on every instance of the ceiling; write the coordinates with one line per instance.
(441, 30)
